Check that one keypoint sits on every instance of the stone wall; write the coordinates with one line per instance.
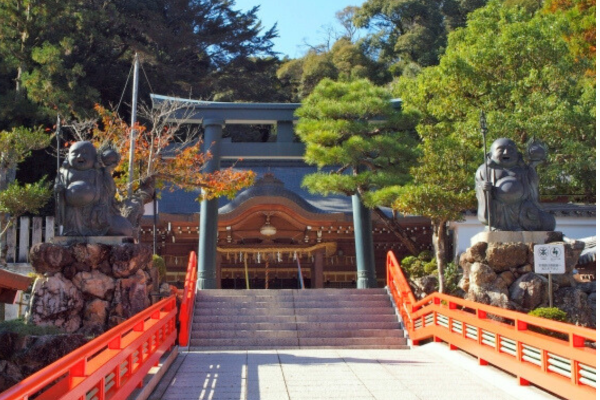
(502, 275)
(89, 287)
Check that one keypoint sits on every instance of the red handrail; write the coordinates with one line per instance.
(189, 298)
(110, 366)
(508, 339)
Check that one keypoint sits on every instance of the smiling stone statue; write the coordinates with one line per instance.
(86, 191)
(512, 187)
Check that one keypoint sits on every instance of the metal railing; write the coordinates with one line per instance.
(556, 356)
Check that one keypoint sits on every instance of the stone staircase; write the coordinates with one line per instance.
(311, 318)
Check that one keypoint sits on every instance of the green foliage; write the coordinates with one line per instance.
(516, 66)
(452, 275)
(408, 261)
(425, 255)
(22, 328)
(345, 61)
(16, 145)
(336, 124)
(19, 199)
(408, 35)
(552, 313)
(430, 268)
(161, 266)
(66, 56)
(425, 264)
(417, 267)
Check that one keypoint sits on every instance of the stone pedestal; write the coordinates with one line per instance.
(498, 269)
(109, 240)
(90, 286)
(535, 237)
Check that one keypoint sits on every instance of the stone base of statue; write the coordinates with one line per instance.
(109, 240)
(498, 269)
(536, 237)
(90, 286)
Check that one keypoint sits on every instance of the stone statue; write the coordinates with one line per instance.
(512, 187)
(86, 189)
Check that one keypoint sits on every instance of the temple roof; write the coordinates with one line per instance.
(268, 186)
(280, 178)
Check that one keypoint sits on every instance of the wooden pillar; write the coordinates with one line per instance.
(317, 270)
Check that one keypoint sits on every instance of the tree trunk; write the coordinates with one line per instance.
(439, 243)
(4, 224)
(397, 230)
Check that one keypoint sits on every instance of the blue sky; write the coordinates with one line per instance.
(297, 21)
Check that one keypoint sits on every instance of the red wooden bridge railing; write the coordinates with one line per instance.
(559, 357)
(189, 298)
(110, 366)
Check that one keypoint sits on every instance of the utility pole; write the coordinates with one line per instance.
(134, 96)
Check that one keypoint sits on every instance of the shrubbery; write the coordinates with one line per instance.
(425, 264)
(553, 313)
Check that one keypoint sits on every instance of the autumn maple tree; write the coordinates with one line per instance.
(167, 153)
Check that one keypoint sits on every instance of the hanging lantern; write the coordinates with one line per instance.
(267, 229)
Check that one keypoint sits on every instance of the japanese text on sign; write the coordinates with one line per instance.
(549, 258)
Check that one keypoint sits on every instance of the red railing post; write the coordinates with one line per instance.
(489, 339)
(187, 303)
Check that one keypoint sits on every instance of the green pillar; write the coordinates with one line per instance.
(363, 239)
(209, 210)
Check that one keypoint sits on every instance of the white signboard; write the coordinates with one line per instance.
(549, 258)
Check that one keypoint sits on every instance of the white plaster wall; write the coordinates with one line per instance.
(571, 227)
(149, 208)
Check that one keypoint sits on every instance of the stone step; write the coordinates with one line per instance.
(356, 341)
(300, 326)
(292, 311)
(280, 292)
(263, 347)
(307, 333)
(324, 303)
(245, 343)
(243, 318)
(320, 318)
(388, 317)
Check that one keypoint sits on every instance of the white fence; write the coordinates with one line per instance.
(27, 232)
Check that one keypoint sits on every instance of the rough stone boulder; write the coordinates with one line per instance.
(48, 259)
(529, 291)
(95, 313)
(494, 296)
(92, 254)
(10, 342)
(574, 302)
(44, 350)
(128, 258)
(424, 286)
(131, 296)
(56, 301)
(95, 284)
(10, 374)
(481, 275)
(503, 256)
(83, 273)
(476, 253)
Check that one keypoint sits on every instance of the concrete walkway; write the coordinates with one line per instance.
(429, 372)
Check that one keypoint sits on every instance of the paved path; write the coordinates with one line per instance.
(429, 372)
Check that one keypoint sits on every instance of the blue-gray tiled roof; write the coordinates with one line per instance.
(290, 173)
